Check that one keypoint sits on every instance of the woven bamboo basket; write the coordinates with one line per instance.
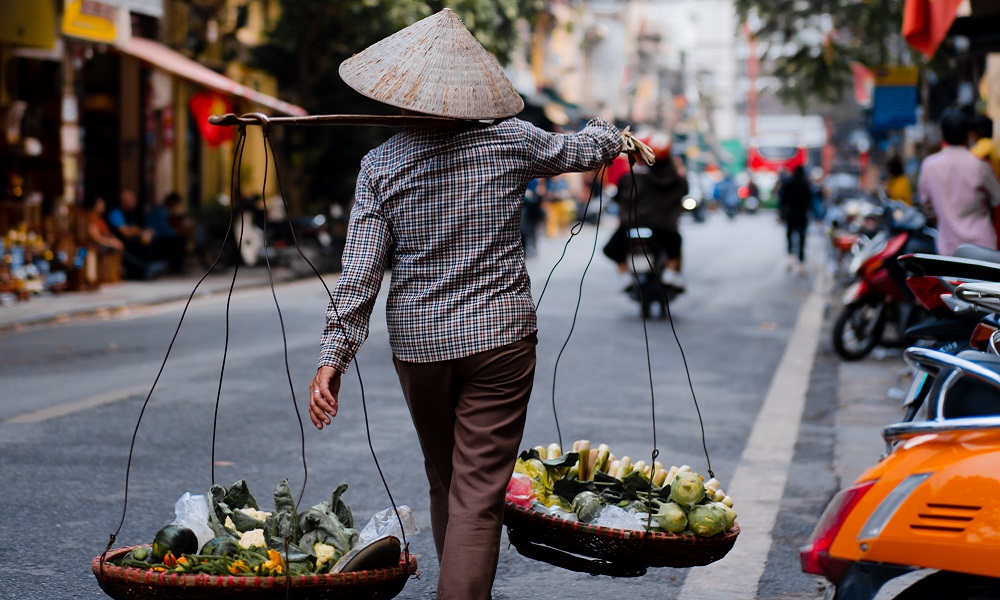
(606, 551)
(127, 583)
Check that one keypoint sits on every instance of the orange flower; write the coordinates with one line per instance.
(274, 565)
(239, 568)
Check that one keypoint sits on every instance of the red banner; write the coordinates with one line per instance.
(203, 105)
(926, 23)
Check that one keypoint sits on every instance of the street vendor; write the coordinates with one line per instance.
(442, 209)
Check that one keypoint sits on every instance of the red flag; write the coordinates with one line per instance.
(204, 104)
(926, 22)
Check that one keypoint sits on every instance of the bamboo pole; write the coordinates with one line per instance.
(262, 120)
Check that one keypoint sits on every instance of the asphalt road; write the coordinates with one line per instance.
(73, 396)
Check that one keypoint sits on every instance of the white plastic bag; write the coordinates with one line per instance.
(192, 512)
(384, 523)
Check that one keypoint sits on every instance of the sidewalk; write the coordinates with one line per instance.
(110, 298)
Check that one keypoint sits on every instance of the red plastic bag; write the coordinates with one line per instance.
(519, 490)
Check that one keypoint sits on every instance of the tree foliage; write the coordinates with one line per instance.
(304, 51)
(811, 44)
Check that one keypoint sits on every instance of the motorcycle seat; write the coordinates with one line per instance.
(977, 253)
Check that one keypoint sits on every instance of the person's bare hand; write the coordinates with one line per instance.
(323, 393)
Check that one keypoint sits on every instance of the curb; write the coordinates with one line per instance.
(121, 306)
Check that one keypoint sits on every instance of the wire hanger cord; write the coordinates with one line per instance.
(159, 373)
(597, 183)
(236, 196)
(352, 353)
(673, 329)
(281, 321)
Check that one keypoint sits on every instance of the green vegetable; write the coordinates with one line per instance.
(706, 520)
(588, 506)
(582, 448)
(281, 524)
(728, 513)
(671, 517)
(222, 545)
(175, 539)
(140, 553)
(687, 489)
(603, 455)
(330, 523)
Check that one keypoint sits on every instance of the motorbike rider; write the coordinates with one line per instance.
(652, 197)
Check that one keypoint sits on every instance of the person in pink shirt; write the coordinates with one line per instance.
(958, 191)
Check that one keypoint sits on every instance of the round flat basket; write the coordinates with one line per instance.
(127, 583)
(606, 551)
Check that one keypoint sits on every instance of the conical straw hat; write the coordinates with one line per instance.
(435, 67)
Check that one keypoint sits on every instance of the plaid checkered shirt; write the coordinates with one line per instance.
(442, 209)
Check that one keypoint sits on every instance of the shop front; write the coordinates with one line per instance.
(97, 107)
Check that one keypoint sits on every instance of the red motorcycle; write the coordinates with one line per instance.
(879, 296)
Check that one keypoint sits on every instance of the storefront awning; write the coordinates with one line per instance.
(161, 57)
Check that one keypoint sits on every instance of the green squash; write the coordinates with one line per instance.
(175, 539)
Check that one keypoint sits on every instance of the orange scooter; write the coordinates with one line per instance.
(929, 511)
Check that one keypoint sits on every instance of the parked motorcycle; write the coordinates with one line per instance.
(851, 221)
(928, 506)
(254, 240)
(879, 295)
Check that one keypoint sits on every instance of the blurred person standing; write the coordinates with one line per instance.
(795, 204)
(443, 208)
(958, 191)
(983, 147)
(167, 241)
(559, 204)
(898, 187)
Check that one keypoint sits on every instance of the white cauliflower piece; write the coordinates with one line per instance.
(229, 523)
(324, 553)
(254, 513)
(254, 537)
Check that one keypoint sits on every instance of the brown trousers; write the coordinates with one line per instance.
(469, 414)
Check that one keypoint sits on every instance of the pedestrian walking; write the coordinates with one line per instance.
(443, 209)
(795, 203)
(958, 191)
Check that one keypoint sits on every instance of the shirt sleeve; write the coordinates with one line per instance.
(554, 153)
(353, 297)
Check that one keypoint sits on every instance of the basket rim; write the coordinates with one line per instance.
(538, 518)
(171, 579)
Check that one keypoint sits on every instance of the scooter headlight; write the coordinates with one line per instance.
(689, 203)
(888, 507)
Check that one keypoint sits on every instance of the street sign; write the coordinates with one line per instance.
(894, 101)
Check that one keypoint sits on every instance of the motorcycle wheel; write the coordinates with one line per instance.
(858, 329)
